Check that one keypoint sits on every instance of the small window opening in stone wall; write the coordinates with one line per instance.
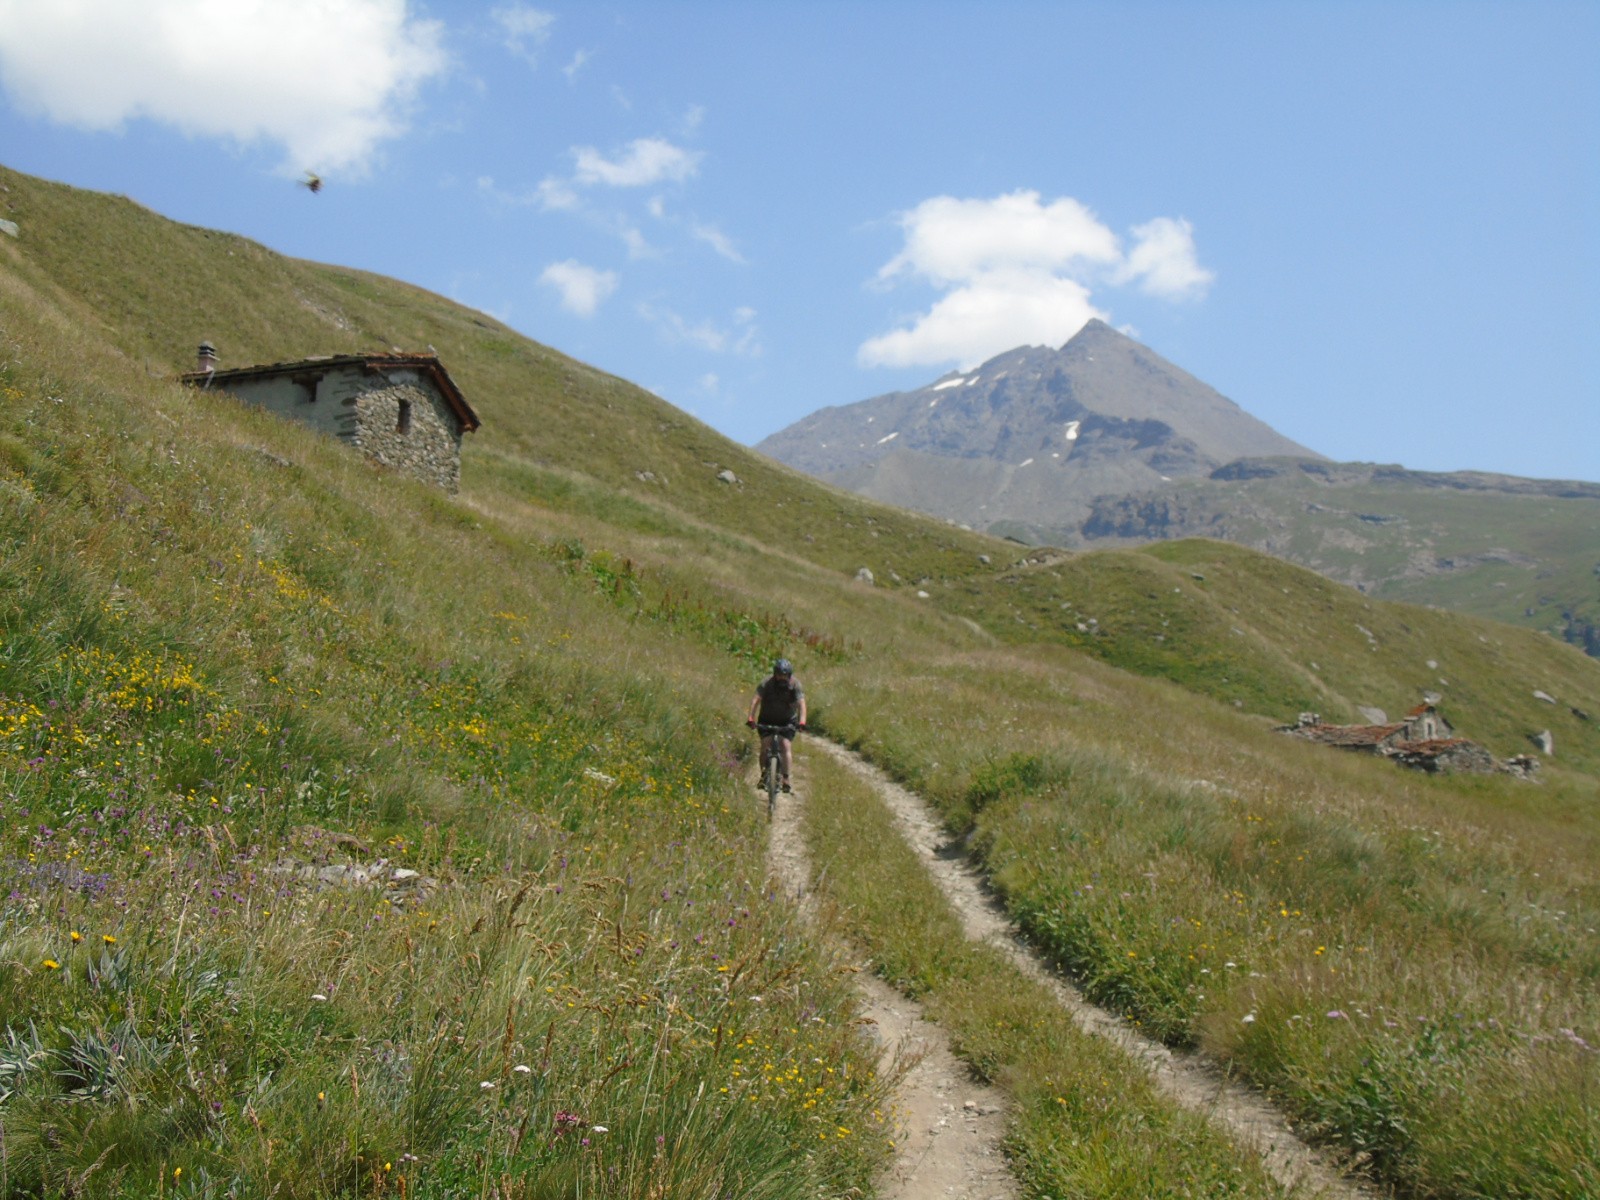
(308, 383)
(404, 424)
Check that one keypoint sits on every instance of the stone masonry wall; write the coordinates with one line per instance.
(429, 449)
(342, 401)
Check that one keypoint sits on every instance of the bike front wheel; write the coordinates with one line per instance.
(772, 783)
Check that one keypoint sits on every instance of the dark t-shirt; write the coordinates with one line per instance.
(780, 700)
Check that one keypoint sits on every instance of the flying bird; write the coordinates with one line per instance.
(312, 182)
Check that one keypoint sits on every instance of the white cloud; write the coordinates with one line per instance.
(991, 312)
(709, 383)
(580, 59)
(1163, 260)
(950, 241)
(526, 29)
(1017, 271)
(582, 288)
(633, 238)
(642, 163)
(646, 161)
(556, 193)
(327, 82)
(740, 337)
(718, 241)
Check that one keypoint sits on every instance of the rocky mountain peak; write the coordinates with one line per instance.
(1031, 435)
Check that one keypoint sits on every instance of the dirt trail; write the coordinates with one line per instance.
(948, 1128)
(964, 1122)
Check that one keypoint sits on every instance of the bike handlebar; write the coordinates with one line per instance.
(787, 731)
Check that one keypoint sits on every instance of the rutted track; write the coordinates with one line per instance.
(1189, 1079)
(948, 1128)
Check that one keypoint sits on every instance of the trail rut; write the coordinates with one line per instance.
(952, 1127)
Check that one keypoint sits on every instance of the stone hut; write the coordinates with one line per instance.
(1423, 740)
(402, 410)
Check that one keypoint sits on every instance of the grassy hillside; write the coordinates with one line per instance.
(1277, 639)
(1518, 551)
(237, 661)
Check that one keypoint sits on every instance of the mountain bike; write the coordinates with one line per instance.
(771, 776)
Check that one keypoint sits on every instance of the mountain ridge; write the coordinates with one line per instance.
(1106, 443)
(1037, 432)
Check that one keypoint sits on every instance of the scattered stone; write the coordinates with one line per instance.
(727, 476)
(1545, 696)
(1581, 715)
(1445, 755)
(1195, 575)
(347, 874)
(984, 559)
(1432, 697)
(1522, 766)
(1545, 741)
(1432, 666)
(402, 884)
(645, 476)
(9, 228)
(864, 575)
(921, 595)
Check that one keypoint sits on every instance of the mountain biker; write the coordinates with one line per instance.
(779, 700)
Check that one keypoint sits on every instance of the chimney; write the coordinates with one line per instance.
(208, 358)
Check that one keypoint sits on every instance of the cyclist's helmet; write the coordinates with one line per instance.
(783, 667)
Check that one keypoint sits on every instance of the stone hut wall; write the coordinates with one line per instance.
(308, 398)
(409, 426)
(365, 410)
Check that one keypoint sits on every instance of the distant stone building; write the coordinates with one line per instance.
(402, 410)
(1423, 740)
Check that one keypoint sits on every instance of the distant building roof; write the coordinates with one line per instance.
(1348, 735)
(428, 364)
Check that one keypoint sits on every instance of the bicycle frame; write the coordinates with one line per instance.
(770, 772)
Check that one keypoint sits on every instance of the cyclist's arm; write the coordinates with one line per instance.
(802, 709)
(754, 705)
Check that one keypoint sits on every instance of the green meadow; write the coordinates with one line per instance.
(360, 839)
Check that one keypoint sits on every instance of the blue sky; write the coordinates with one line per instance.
(1376, 226)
